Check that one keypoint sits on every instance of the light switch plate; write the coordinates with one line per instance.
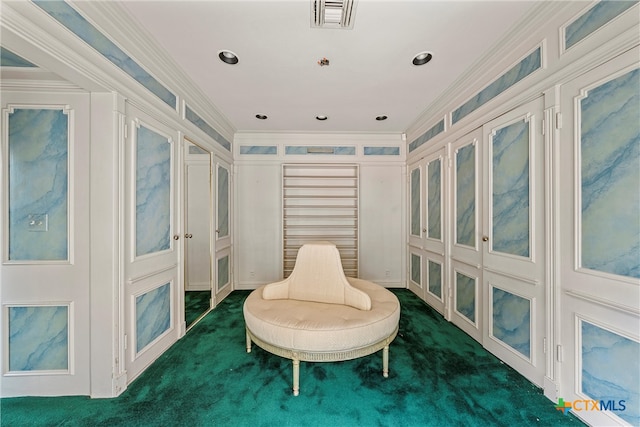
(38, 222)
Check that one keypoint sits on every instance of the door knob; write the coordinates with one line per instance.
(176, 237)
(485, 238)
(188, 236)
(424, 230)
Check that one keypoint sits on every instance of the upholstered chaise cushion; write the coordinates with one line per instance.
(320, 327)
(318, 277)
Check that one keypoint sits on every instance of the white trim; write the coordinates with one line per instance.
(603, 302)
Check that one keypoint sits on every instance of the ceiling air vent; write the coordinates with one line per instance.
(332, 13)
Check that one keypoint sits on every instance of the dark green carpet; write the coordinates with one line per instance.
(195, 303)
(438, 377)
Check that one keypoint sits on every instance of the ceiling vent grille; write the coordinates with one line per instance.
(332, 13)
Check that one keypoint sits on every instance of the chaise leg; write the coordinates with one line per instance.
(248, 342)
(385, 361)
(296, 377)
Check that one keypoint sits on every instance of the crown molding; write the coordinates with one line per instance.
(114, 22)
(522, 37)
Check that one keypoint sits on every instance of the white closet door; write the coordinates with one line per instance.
(45, 246)
(600, 236)
(222, 266)
(513, 240)
(153, 241)
(466, 246)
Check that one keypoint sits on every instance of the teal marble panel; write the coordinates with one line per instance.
(153, 192)
(512, 321)
(381, 151)
(259, 149)
(194, 118)
(38, 184)
(70, 18)
(466, 195)
(596, 17)
(194, 149)
(38, 338)
(610, 186)
(345, 151)
(10, 59)
(610, 370)
(416, 269)
(435, 278)
(223, 271)
(223, 202)
(466, 296)
(510, 191)
(153, 315)
(522, 69)
(434, 200)
(432, 132)
(415, 202)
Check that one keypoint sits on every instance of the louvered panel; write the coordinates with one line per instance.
(320, 202)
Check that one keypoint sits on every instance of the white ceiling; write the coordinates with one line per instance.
(370, 71)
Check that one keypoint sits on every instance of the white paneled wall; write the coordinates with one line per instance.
(258, 191)
(258, 224)
(382, 223)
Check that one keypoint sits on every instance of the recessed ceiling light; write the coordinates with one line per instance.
(422, 58)
(321, 118)
(261, 117)
(381, 118)
(228, 57)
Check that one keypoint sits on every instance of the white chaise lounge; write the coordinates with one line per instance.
(319, 315)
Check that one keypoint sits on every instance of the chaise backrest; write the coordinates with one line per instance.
(318, 276)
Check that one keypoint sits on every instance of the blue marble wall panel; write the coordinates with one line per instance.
(381, 151)
(297, 150)
(38, 184)
(522, 69)
(433, 131)
(434, 199)
(153, 192)
(466, 296)
(10, 59)
(416, 269)
(223, 202)
(259, 149)
(70, 18)
(223, 271)
(435, 278)
(319, 150)
(510, 189)
(610, 369)
(344, 151)
(153, 315)
(593, 19)
(466, 195)
(194, 118)
(512, 321)
(38, 338)
(610, 187)
(194, 149)
(415, 202)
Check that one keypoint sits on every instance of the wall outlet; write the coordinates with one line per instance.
(252, 274)
(387, 274)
